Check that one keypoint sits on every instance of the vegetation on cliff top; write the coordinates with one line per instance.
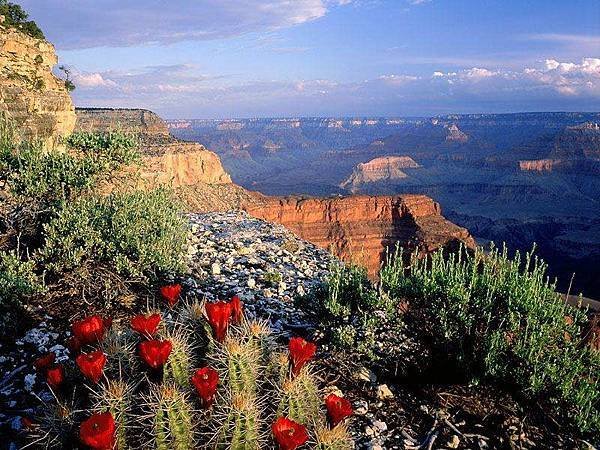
(485, 317)
(15, 16)
(56, 225)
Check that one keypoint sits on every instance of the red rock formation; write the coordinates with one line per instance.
(538, 165)
(362, 228)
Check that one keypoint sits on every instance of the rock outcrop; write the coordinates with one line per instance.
(385, 168)
(166, 159)
(362, 228)
(456, 135)
(140, 121)
(183, 164)
(32, 97)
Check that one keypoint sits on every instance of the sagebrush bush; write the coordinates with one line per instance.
(17, 280)
(490, 316)
(138, 234)
(352, 308)
(501, 319)
(47, 176)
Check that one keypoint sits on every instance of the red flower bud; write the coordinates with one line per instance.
(289, 434)
(44, 361)
(219, 314)
(73, 344)
(206, 381)
(301, 352)
(171, 293)
(98, 431)
(155, 353)
(236, 309)
(92, 364)
(55, 375)
(89, 330)
(146, 326)
(338, 408)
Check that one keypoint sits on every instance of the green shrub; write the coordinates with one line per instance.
(352, 309)
(14, 16)
(500, 319)
(48, 176)
(137, 234)
(17, 281)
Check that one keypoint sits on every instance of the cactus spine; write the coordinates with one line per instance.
(172, 424)
(115, 397)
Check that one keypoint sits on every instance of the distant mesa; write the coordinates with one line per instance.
(575, 149)
(385, 168)
(455, 134)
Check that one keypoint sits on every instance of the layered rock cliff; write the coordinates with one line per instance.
(166, 159)
(146, 124)
(37, 102)
(385, 168)
(358, 228)
(362, 228)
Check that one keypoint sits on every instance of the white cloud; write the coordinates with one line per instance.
(183, 90)
(92, 80)
(117, 23)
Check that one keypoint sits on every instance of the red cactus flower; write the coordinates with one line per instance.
(55, 375)
(146, 325)
(338, 408)
(171, 293)
(92, 364)
(289, 434)
(155, 353)
(98, 431)
(219, 314)
(89, 330)
(107, 322)
(301, 352)
(206, 381)
(44, 361)
(237, 308)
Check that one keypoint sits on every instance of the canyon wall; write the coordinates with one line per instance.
(358, 228)
(362, 228)
(141, 121)
(165, 158)
(36, 101)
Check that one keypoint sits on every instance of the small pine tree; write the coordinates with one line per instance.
(15, 16)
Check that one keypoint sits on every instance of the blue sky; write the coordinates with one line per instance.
(247, 58)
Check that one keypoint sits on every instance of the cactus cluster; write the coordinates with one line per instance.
(201, 376)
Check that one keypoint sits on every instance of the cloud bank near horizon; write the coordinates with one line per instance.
(184, 91)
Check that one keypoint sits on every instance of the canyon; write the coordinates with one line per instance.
(524, 179)
(361, 229)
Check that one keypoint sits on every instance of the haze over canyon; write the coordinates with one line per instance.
(514, 178)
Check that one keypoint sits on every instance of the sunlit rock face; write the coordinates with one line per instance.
(382, 169)
(362, 228)
(36, 101)
(167, 160)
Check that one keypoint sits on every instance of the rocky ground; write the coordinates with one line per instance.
(269, 267)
